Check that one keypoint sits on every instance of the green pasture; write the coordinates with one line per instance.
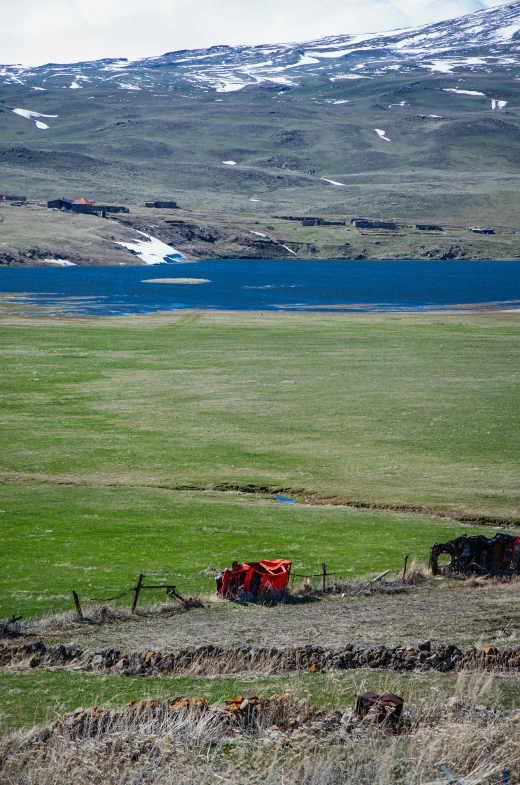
(33, 698)
(97, 540)
(390, 410)
(112, 429)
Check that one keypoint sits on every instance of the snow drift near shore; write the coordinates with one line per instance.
(153, 251)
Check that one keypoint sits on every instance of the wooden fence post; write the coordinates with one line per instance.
(79, 612)
(405, 565)
(136, 592)
(324, 574)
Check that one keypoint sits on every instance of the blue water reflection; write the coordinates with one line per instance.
(258, 285)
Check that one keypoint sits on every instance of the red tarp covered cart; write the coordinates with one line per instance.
(255, 577)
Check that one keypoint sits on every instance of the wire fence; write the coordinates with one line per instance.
(75, 603)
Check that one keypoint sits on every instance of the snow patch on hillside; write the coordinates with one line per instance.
(333, 182)
(506, 33)
(463, 92)
(153, 251)
(32, 116)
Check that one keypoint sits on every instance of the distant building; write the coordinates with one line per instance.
(163, 204)
(480, 230)
(110, 208)
(429, 228)
(60, 204)
(12, 198)
(369, 223)
(313, 222)
(321, 222)
(85, 206)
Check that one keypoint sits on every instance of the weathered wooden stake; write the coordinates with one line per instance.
(136, 592)
(324, 574)
(79, 612)
(405, 565)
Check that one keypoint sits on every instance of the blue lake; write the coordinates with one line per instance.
(268, 285)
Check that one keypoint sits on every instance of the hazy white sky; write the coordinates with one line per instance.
(33, 32)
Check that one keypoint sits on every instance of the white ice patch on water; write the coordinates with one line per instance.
(401, 103)
(382, 134)
(60, 262)
(339, 102)
(42, 126)
(332, 182)
(75, 86)
(462, 92)
(254, 200)
(177, 280)
(153, 251)
(229, 163)
(41, 89)
(128, 86)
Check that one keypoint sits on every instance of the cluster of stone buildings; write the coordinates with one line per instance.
(85, 206)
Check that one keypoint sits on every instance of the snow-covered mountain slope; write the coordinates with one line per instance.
(481, 41)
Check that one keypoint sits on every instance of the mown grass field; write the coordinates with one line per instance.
(105, 421)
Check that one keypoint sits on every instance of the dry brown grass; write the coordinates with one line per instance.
(195, 746)
(108, 615)
(472, 612)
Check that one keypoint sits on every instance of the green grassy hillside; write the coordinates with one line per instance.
(451, 159)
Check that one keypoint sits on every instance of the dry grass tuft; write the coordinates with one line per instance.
(298, 745)
(105, 614)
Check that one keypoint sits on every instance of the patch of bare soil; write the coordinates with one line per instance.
(467, 613)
